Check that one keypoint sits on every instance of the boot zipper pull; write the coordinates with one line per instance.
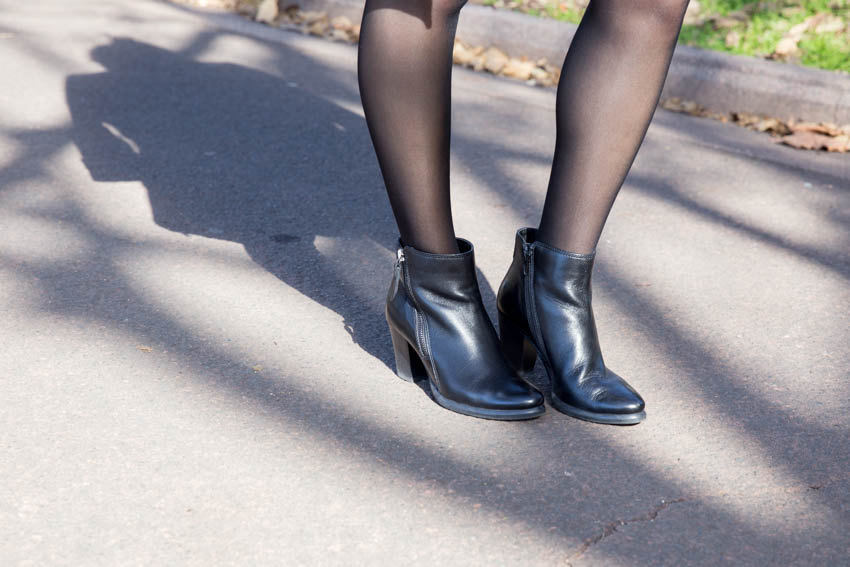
(526, 252)
(398, 275)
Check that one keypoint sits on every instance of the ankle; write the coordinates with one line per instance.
(434, 246)
(574, 246)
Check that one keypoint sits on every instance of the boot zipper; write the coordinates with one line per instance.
(419, 323)
(530, 310)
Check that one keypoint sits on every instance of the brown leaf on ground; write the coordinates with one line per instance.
(341, 23)
(461, 54)
(144, 348)
(319, 27)
(495, 60)
(839, 144)
(773, 125)
(679, 105)
(543, 77)
(761, 123)
(733, 38)
(693, 14)
(786, 46)
(267, 12)
(809, 23)
(830, 24)
(814, 141)
(340, 35)
(826, 128)
(518, 69)
(308, 17)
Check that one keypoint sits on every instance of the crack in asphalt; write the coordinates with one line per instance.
(611, 527)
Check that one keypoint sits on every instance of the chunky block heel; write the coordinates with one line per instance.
(519, 351)
(408, 367)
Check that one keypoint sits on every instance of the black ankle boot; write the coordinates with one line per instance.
(441, 332)
(544, 308)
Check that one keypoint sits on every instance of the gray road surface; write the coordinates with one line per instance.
(194, 249)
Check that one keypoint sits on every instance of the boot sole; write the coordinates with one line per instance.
(409, 367)
(604, 418)
(472, 411)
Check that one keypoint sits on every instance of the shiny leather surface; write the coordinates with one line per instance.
(555, 313)
(454, 336)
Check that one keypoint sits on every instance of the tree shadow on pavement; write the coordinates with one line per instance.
(230, 153)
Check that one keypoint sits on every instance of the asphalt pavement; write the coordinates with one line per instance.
(195, 246)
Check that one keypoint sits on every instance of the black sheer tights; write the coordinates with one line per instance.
(610, 84)
(404, 68)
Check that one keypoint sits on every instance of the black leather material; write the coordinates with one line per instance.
(546, 298)
(434, 307)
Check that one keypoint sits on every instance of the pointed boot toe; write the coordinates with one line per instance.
(620, 398)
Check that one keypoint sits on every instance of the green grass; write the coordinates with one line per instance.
(826, 53)
(765, 26)
(761, 27)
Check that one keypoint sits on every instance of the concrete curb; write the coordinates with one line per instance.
(718, 81)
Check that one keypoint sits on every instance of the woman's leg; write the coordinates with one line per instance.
(404, 72)
(609, 88)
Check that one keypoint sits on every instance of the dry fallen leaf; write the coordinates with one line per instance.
(310, 16)
(518, 69)
(461, 54)
(814, 141)
(340, 35)
(733, 38)
(839, 144)
(830, 24)
(773, 125)
(267, 12)
(318, 27)
(495, 60)
(820, 128)
(786, 46)
(144, 348)
(821, 22)
(341, 23)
